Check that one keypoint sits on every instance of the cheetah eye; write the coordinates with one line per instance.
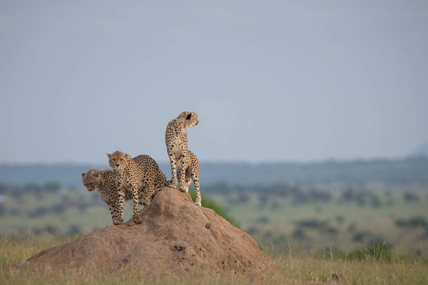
(121, 159)
(113, 159)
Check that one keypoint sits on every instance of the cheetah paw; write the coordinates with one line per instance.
(137, 219)
(117, 222)
(171, 184)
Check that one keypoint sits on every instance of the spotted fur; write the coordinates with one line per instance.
(181, 159)
(115, 190)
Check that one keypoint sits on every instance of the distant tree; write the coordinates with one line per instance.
(311, 223)
(252, 231)
(50, 229)
(57, 209)
(320, 196)
(40, 196)
(263, 199)
(52, 187)
(4, 189)
(275, 206)
(412, 222)
(32, 188)
(40, 211)
(410, 197)
(83, 207)
(2, 210)
(243, 198)
(300, 198)
(13, 212)
(359, 237)
(360, 199)
(263, 219)
(340, 219)
(74, 229)
(16, 194)
(331, 230)
(352, 227)
(348, 195)
(66, 199)
(37, 231)
(299, 234)
(375, 201)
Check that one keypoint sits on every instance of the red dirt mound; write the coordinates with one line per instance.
(175, 237)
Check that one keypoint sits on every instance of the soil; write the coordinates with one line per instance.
(176, 237)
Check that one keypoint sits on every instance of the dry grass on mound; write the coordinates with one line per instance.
(300, 267)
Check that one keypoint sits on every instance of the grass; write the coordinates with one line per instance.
(280, 223)
(372, 265)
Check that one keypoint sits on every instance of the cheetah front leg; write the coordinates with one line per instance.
(113, 212)
(116, 208)
(173, 182)
(119, 206)
(136, 217)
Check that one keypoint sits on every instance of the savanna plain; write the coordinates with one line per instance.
(364, 232)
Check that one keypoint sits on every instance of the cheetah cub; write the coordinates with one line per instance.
(177, 147)
(107, 183)
(132, 178)
(191, 173)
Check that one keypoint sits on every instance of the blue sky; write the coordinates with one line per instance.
(270, 80)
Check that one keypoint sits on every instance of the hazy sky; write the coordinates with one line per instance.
(270, 80)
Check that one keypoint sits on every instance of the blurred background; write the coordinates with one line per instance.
(313, 115)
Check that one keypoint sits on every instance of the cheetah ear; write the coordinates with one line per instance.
(108, 154)
(189, 116)
(96, 174)
(128, 156)
(83, 174)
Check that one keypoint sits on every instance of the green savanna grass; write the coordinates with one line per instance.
(376, 264)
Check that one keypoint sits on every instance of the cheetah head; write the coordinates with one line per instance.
(91, 178)
(118, 160)
(190, 119)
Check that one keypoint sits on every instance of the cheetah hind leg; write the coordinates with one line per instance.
(187, 184)
(141, 196)
(181, 173)
(173, 182)
(198, 200)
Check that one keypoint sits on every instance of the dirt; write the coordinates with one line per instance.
(175, 237)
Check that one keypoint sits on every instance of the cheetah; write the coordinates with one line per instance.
(177, 145)
(107, 182)
(191, 173)
(132, 178)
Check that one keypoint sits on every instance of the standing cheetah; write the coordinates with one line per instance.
(107, 182)
(132, 177)
(177, 145)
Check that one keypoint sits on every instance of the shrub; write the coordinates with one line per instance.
(214, 206)
(311, 223)
(299, 234)
(377, 251)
